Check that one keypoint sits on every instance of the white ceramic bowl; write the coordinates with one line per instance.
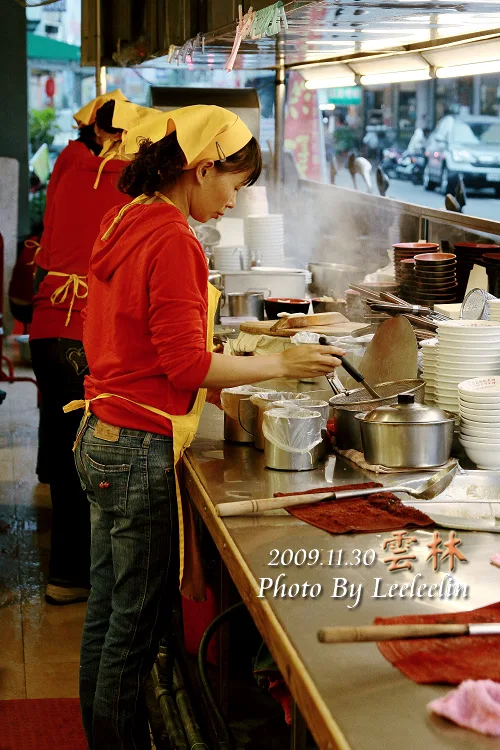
(458, 326)
(475, 406)
(489, 386)
(473, 432)
(484, 456)
(479, 418)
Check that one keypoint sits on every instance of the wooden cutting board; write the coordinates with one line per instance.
(259, 327)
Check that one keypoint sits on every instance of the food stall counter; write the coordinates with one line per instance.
(348, 694)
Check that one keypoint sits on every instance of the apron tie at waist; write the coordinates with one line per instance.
(60, 294)
(38, 248)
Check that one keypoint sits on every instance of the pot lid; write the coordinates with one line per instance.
(406, 410)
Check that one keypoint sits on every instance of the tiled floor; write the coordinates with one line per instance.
(40, 643)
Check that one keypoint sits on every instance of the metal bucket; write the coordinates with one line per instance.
(240, 430)
(277, 458)
(274, 398)
(346, 405)
(247, 304)
(291, 435)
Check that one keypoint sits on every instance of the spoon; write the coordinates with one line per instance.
(427, 490)
(352, 371)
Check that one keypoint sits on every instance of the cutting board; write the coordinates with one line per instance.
(259, 327)
(390, 355)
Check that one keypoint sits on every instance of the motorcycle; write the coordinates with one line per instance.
(390, 159)
(411, 167)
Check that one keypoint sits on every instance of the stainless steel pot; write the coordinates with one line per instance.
(407, 435)
(239, 425)
(345, 406)
(247, 304)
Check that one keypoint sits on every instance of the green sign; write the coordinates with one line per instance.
(345, 96)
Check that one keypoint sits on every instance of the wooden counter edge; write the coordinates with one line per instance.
(325, 730)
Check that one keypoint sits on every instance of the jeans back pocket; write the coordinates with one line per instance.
(109, 484)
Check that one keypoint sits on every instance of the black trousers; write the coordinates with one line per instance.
(60, 367)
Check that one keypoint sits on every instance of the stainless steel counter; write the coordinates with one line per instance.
(350, 696)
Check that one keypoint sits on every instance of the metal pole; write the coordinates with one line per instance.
(279, 120)
(98, 49)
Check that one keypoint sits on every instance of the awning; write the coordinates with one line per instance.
(43, 48)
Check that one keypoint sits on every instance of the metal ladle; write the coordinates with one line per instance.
(358, 377)
(431, 488)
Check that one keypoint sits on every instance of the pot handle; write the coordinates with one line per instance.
(250, 432)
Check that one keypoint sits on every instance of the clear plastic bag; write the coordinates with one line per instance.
(230, 398)
(311, 405)
(292, 429)
(268, 398)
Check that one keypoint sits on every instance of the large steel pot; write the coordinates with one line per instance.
(407, 435)
(345, 406)
(246, 304)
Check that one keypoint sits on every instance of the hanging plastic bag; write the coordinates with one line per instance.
(292, 429)
(230, 398)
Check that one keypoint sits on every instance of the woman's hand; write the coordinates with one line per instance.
(310, 360)
(213, 397)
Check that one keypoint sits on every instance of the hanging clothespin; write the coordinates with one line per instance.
(243, 29)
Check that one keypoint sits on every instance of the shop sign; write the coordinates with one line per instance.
(303, 135)
(345, 96)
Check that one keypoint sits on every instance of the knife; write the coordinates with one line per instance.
(397, 632)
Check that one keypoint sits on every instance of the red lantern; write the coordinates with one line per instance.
(50, 87)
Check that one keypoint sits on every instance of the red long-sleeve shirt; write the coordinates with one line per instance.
(74, 152)
(146, 318)
(71, 228)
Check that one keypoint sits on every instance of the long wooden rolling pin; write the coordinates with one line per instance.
(248, 507)
(387, 632)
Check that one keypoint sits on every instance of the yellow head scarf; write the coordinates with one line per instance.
(203, 131)
(86, 115)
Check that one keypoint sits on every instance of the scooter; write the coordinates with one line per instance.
(390, 159)
(411, 167)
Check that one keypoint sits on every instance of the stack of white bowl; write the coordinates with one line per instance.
(480, 421)
(467, 349)
(251, 201)
(231, 254)
(265, 237)
(429, 369)
(227, 259)
(494, 305)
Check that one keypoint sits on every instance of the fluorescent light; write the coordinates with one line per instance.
(395, 77)
(327, 107)
(332, 42)
(457, 71)
(331, 83)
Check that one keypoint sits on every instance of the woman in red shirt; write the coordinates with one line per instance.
(148, 340)
(85, 192)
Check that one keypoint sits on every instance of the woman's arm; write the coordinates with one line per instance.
(309, 360)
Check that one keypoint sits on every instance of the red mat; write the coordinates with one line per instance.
(446, 660)
(378, 512)
(41, 724)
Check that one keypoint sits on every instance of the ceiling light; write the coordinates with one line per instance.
(343, 42)
(331, 83)
(395, 77)
(457, 71)
(327, 107)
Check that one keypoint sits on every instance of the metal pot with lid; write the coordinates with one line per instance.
(407, 434)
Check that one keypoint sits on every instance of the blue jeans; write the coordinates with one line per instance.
(130, 483)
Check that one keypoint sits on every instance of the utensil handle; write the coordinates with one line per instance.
(249, 507)
(365, 491)
(387, 632)
(388, 297)
(345, 364)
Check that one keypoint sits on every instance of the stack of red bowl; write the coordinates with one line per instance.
(407, 290)
(435, 278)
(467, 254)
(406, 250)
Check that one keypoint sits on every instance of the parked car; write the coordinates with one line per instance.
(468, 146)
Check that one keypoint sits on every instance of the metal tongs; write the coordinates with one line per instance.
(348, 367)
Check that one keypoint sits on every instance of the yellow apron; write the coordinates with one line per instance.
(184, 429)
